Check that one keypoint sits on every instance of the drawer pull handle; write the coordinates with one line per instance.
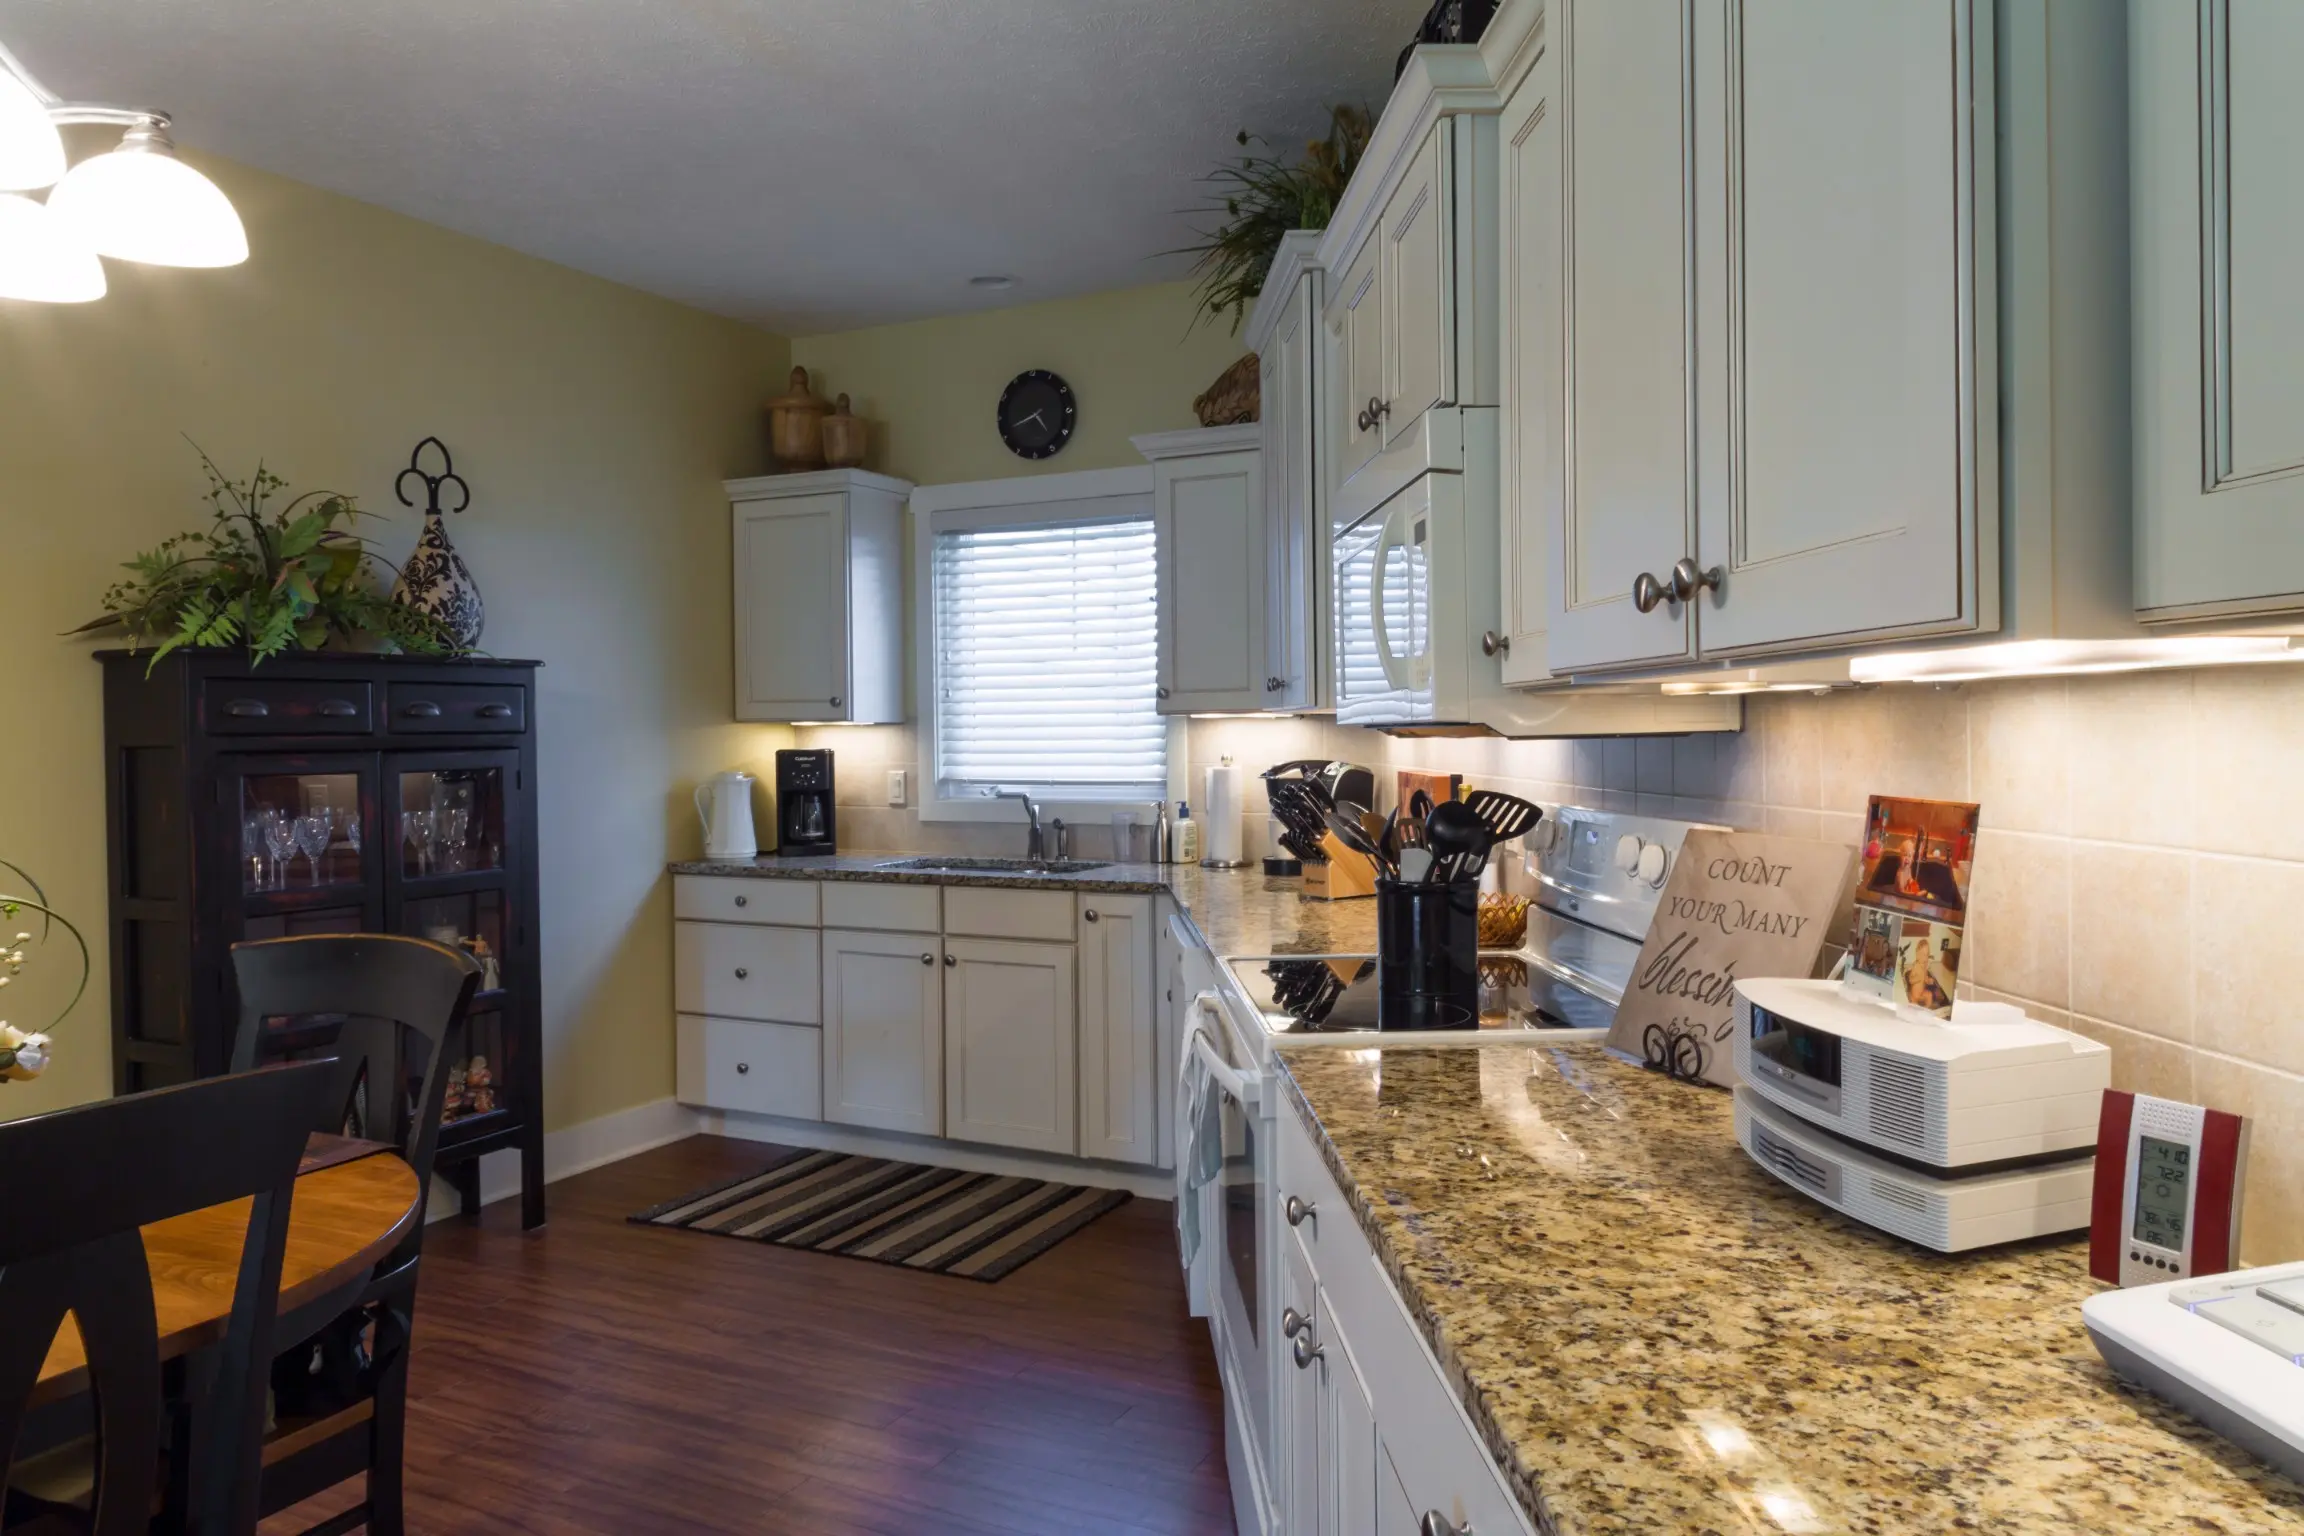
(1090, 914)
(1435, 1523)
(247, 709)
(743, 974)
(1292, 1322)
(422, 709)
(1306, 1351)
(743, 901)
(927, 959)
(1297, 1211)
(495, 711)
(743, 1067)
(338, 709)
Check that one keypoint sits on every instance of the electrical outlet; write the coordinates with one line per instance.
(896, 795)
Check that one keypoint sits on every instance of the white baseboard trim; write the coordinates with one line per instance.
(1151, 1183)
(574, 1149)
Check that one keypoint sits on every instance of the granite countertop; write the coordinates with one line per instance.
(1238, 911)
(1655, 1336)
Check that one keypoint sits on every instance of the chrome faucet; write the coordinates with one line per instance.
(1036, 848)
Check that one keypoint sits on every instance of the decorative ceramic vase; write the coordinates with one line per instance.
(795, 426)
(434, 579)
(843, 437)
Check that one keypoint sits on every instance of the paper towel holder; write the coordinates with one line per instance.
(1220, 807)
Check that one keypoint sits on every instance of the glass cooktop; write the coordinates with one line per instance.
(1334, 994)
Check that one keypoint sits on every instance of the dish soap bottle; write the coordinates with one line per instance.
(1187, 834)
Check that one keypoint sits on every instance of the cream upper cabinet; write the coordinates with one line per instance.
(819, 600)
(2217, 136)
(883, 1043)
(1418, 283)
(1357, 327)
(1291, 349)
(1208, 507)
(1010, 1044)
(1843, 208)
(1119, 1030)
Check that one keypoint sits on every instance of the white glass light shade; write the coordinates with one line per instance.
(31, 150)
(40, 258)
(141, 203)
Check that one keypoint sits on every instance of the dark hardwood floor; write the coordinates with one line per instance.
(601, 1377)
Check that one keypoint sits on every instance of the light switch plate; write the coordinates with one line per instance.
(896, 786)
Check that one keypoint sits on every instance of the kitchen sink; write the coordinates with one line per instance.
(968, 866)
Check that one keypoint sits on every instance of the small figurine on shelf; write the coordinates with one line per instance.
(452, 1100)
(491, 977)
(482, 1084)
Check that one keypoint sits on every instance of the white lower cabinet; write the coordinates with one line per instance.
(1011, 1028)
(883, 1031)
(760, 1069)
(738, 971)
(1119, 1030)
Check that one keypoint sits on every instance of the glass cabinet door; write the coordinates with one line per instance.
(450, 820)
(301, 826)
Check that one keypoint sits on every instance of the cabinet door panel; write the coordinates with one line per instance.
(1211, 537)
(1629, 478)
(1532, 365)
(791, 608)
(1419, 291)
(1011, 1043)
(739, 971)
(1850, 500)
(1347, 1435)
(883, 1032)
(1298, 1480)
(1359, 343)
(1295, 548)
(1118, 1072)
(2217, 130)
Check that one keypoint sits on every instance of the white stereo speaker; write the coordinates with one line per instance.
(1946, 1213)
(1947, 1095)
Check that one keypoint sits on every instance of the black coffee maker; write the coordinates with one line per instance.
(804, 802)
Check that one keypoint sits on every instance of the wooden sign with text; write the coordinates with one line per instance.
(1738, 904)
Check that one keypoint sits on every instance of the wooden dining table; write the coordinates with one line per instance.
(354, 1201)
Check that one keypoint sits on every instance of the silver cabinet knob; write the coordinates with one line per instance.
(949, 961)
(1292, 1322)
(1687, 580)
(743, 1067)
(927, 959)
(835, 701)
(1296, 1210)
(1494, 644)
(1162, 692)
(743, 974)
(1089, 915)
(1648, 592)
(1435, 1523)
(1306, 1351)
(743, 901)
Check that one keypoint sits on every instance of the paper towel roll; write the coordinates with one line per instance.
(1221, 835)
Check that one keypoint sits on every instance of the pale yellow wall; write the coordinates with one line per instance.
(929, 387)
(594, 424)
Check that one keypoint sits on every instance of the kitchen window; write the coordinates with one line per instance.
(1039, 661)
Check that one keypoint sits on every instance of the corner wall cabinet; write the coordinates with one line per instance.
(1292, 360)
(2215, 133)
(1021, 1019)
(324, 792)
(819, 600)
(1794, 367)
(1208, 508)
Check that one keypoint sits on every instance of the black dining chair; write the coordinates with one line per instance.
(80, 1184)
(404, 1000)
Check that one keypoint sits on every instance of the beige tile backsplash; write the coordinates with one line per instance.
(2140, 879)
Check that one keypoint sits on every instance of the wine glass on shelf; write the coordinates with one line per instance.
(279, 842)
(314, 830)
(252, 849)
(416, 832)
(351, 826)
(453, 822)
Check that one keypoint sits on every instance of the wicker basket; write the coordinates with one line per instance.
(1503, 921)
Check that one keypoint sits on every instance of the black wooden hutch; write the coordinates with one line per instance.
(327, 792)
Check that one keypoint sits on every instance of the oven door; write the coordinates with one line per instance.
(1384, 620)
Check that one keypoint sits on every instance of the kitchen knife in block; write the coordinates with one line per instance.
(1348, 873)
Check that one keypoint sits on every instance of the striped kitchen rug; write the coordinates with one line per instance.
(982, 1226)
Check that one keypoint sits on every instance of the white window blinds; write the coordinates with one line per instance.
(1047, 661)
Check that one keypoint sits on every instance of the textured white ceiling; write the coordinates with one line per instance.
(807, 167)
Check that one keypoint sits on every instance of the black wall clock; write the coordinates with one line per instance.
(1037, 414)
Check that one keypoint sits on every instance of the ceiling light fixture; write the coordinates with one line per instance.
(136, 202)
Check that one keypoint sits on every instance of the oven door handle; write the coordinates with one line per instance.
(1227, 1077)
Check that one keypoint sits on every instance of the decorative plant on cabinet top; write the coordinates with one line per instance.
(265, 579)
(1263, 198)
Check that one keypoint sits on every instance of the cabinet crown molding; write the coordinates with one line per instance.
(1299, 253)
(1513, 42)
(812, 482)
(1195, 441)
(1442, 80)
